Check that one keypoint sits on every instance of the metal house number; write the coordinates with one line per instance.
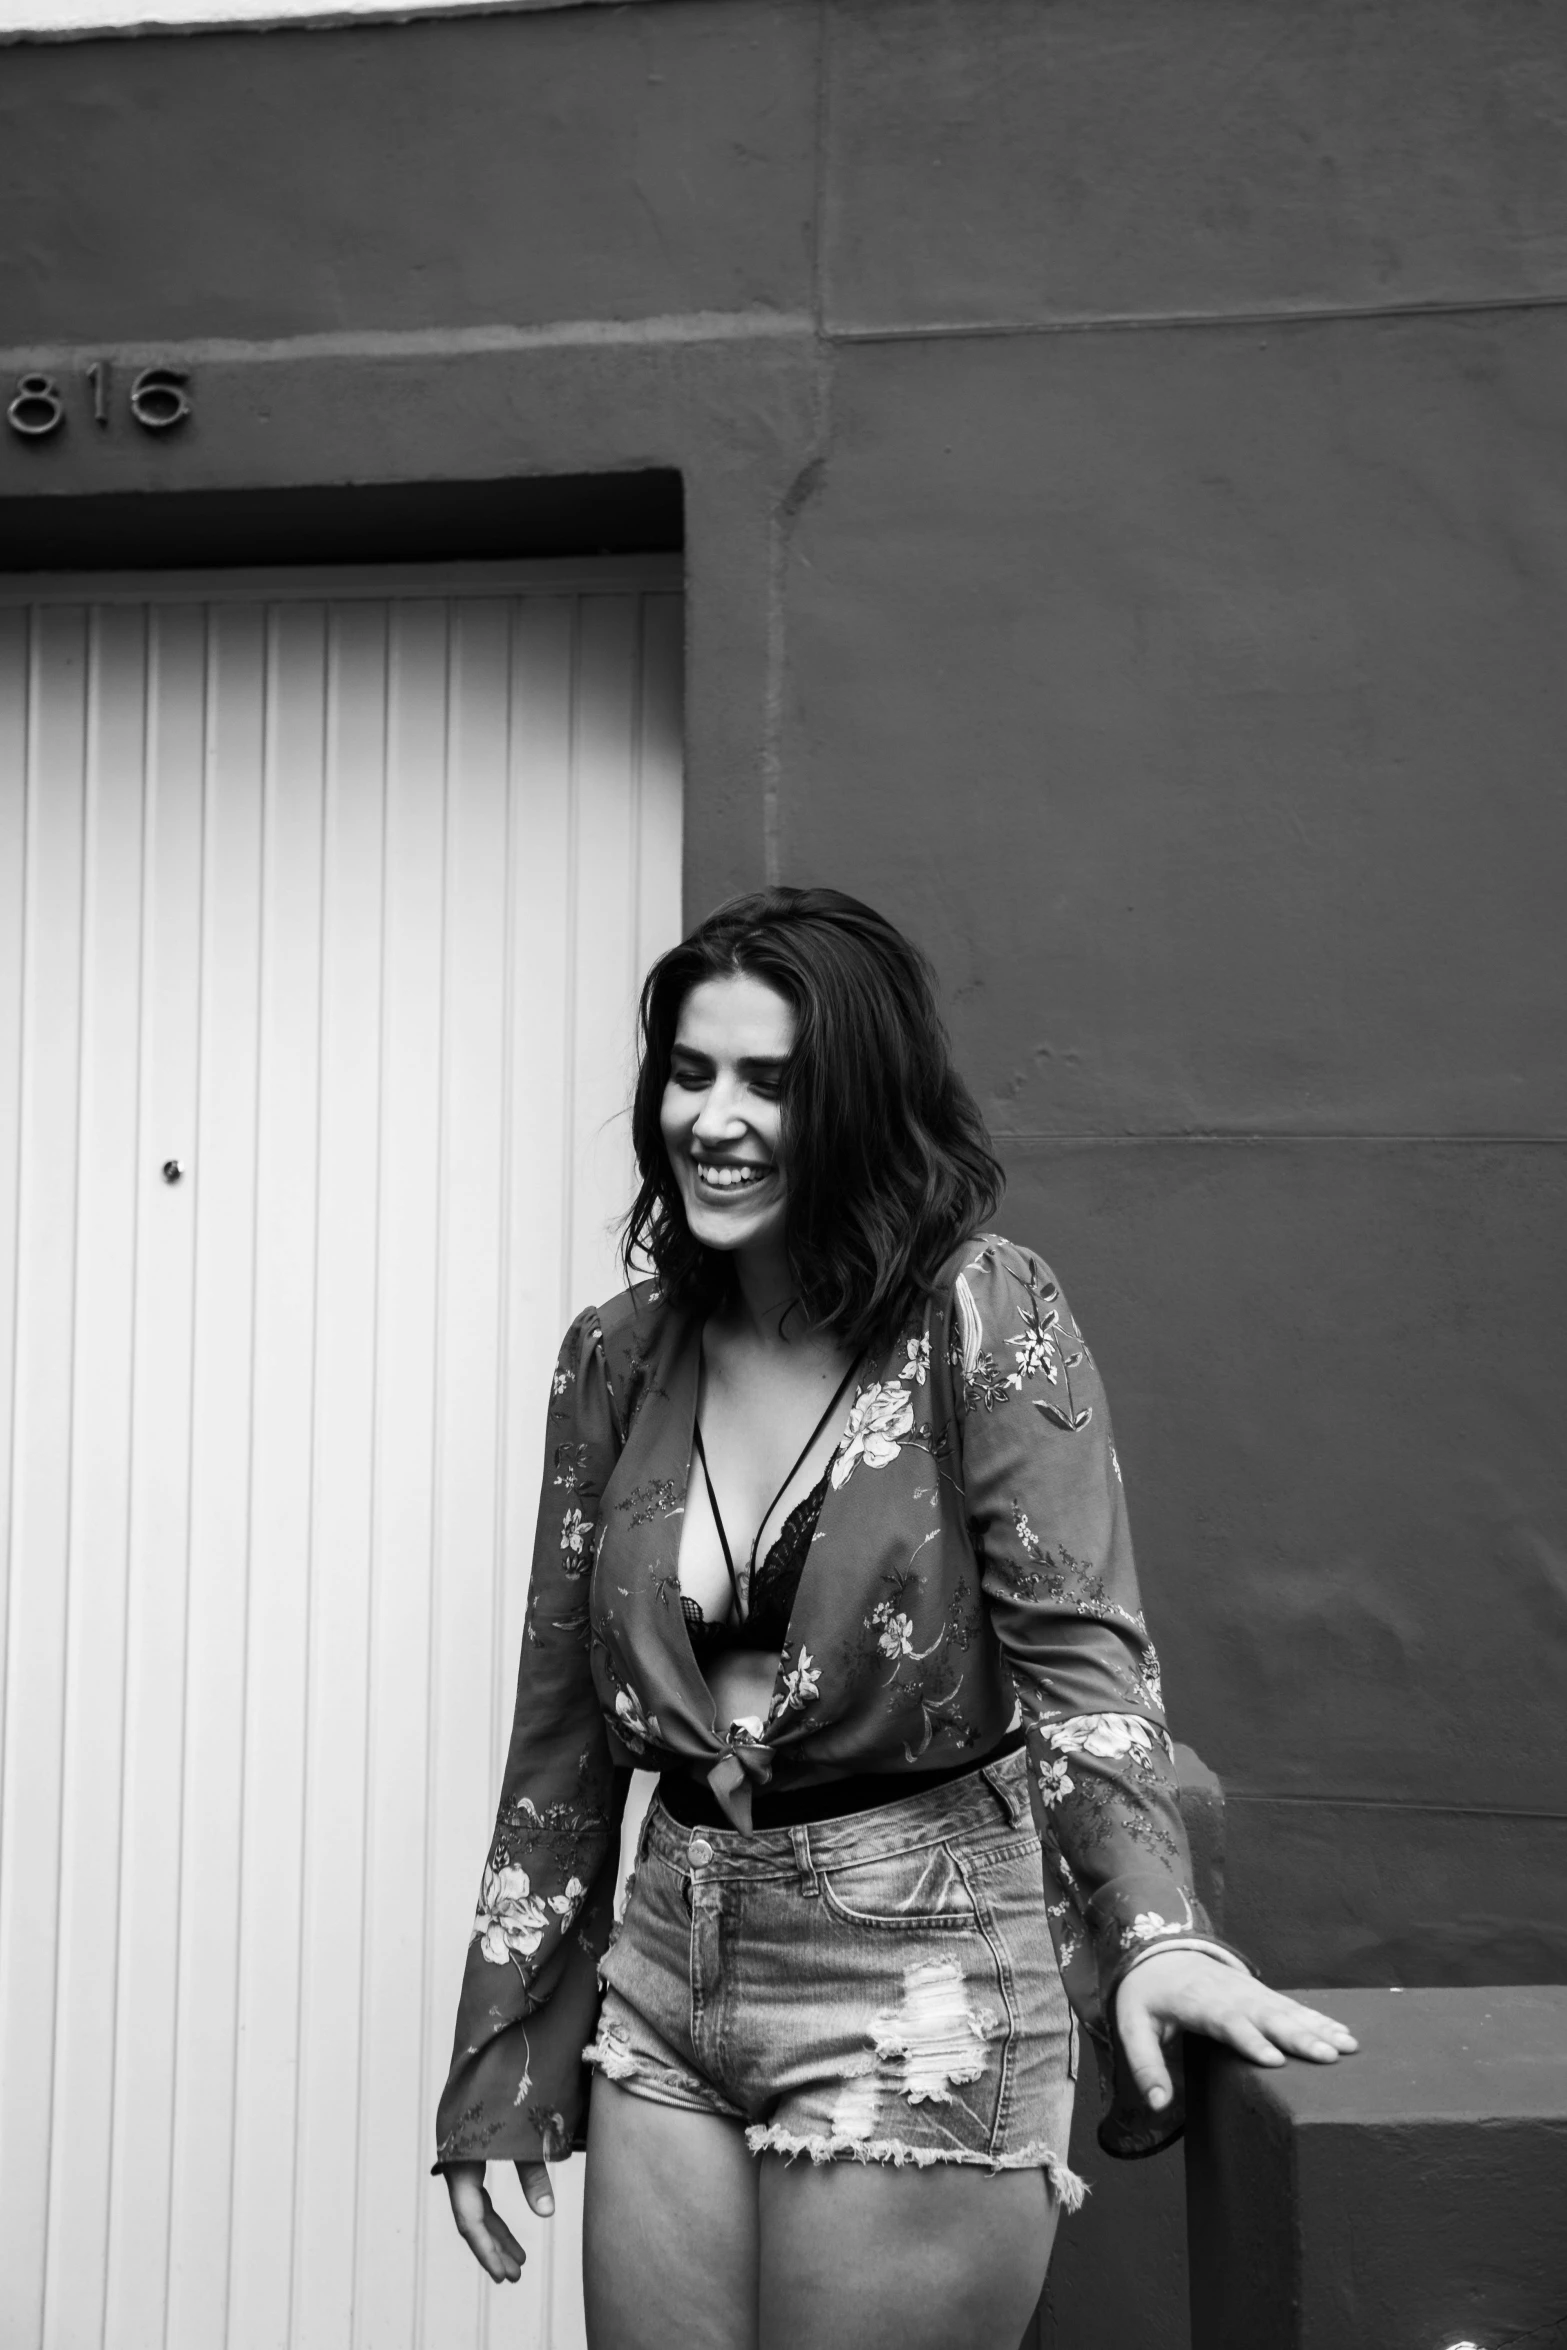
(36, 408)
(159, 399)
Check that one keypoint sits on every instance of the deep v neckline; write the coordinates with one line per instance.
(742, 1599)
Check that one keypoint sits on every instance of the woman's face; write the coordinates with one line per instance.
(720, 1116)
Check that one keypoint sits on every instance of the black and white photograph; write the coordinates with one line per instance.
(783, 1209)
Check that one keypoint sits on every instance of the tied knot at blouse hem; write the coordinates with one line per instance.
(971, 1570)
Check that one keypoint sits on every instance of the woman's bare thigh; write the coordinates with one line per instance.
(862, 2256)
(690, 2242)
(669, 2242)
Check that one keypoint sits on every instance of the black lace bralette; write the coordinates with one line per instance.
(760, 1616)
(773, 1587)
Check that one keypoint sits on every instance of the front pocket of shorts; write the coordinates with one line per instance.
(923, 1891)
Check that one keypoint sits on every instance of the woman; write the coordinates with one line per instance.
(833, 1537)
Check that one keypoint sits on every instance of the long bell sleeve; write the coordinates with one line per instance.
(516, 2090)
(1047, 1516)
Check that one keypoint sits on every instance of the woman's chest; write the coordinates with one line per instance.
(763, 1440)
(891, 1524)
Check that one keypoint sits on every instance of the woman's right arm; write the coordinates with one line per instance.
(530, 1989)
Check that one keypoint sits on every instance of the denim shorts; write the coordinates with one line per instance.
(876, 1988)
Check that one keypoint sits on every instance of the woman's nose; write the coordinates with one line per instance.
(719, 1115)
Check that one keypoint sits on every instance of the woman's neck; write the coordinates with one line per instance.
(763, 1290)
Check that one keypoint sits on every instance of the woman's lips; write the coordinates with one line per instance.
(718, 1180)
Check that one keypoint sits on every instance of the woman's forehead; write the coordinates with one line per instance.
(736, 1017)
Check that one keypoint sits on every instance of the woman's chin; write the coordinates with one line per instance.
(720, 1225)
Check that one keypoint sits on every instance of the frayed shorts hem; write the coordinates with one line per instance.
(613, 2056)
(772, 2138)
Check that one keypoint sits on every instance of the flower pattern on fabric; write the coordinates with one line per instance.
(1109, 1737)
(1149, 1926)
(881, 1417)
(896, 1634)
(637, 1729)
(566, 1904)
(971, 1569)
(510, 1920)
(968, 1331)
(799, 1687)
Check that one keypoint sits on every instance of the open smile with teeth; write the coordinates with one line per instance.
(730, 1178)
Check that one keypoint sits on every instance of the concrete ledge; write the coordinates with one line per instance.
(1409, 2198)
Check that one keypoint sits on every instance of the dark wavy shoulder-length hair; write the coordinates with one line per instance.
(889, 1164)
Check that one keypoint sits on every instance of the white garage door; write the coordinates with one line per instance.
(323, 901)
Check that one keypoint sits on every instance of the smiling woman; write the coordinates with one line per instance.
(839, 1067)
(720, 1116)
(915, 1787)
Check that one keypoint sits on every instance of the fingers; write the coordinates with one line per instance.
(481, 2226)
(536, 2187)
(504, 2242)
(1239, 2032)
(1144, 2057)
(1301, 2031)
(1200, 1994)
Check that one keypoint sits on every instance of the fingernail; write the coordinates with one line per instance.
(1158, 2099)
(546, 2207)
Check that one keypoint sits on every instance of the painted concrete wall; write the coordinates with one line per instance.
(1125, 459)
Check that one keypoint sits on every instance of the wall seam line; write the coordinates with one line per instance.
(1287, 1138)
(1183, 321)
(1391, 1803)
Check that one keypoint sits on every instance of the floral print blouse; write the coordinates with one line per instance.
(972, 1569)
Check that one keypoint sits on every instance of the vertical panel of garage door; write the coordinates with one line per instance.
(331, 895)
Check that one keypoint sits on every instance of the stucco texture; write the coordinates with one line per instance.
(1125, 482)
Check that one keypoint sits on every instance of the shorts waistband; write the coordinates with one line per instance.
(985, 1797)
(693, 1803)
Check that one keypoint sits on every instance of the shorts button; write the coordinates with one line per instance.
(700, 1853)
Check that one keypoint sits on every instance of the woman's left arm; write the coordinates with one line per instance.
(1048, 1519)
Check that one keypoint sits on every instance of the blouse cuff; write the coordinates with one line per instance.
(1203, 1942)
(1130, 2126)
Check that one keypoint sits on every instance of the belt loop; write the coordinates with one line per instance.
(800, 1838)
(1013, 1800)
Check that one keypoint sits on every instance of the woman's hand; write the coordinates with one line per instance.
(1192, 1991)
(481, 2226)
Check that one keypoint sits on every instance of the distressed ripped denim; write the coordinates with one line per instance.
(876, 1988)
